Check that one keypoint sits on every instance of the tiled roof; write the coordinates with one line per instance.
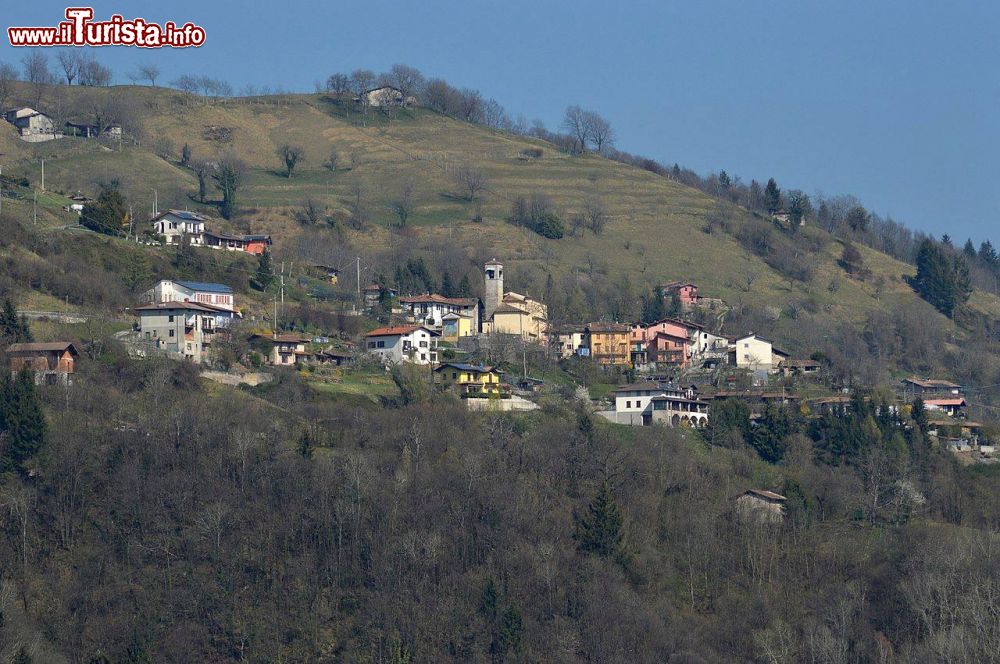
(42, 347)
(953, 401)
(607, 327)
(394, 330)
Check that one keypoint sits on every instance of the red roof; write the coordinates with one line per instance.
(43, 347)
(395, 330)
(954, 401)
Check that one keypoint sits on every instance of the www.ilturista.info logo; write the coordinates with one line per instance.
(80, 30)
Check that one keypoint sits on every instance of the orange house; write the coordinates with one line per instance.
(51, 362)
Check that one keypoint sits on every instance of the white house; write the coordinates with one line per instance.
(646, 403)
(182, 328)
(174, 224)
(214, 295)
(431, 309)
(403, 343)
(755, 353)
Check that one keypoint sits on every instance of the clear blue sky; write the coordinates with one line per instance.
(895, 102)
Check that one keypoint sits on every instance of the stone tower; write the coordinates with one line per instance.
(494, 288)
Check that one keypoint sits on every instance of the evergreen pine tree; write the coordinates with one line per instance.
(942, 277)
(969, 249)
(21, 420)
(464, 287)
(264, 276)
(601, 530)
(447, 288)
(772, 196)
(13, 328)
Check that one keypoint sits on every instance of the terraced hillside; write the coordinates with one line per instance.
(657, 228)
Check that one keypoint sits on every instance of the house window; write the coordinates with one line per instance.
(454, 376)
(628, 404)
(371, 344)
(423, 344)
(170, 333)
(381, 344)
(423, 357)
(170, 318)
(189, 346)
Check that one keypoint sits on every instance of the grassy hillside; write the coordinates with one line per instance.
(655, 231)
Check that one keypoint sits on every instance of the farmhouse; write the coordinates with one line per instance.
(50, 362)
(761, 505)
(403, 343)
(32, 125)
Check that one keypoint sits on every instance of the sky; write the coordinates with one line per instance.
(894, 102)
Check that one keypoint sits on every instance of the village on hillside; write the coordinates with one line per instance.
(671, 372)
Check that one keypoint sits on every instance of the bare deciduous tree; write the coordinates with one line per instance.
(361, 83)
(599, 131)
(406, 79)
(186, 83)
(37, 73)
(70, 62)
(291, 155)
(575, 122)
(150, 73)
(333, 160)
(595, 214)
(402, 202)
(338, 84)
(311, 213)
(7, 76)
(470, 180)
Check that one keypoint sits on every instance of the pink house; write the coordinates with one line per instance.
(687, 292)
(666, 341)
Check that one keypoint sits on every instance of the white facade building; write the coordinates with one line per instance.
(174, 224)
(416, 344)
(214, 295)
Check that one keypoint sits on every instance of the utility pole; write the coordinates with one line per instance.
(43, 175)
(359, 277)
(282, 292)
(274, 321)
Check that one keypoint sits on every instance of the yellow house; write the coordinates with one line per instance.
(455, 325)
(469, 378)
(608, 343)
